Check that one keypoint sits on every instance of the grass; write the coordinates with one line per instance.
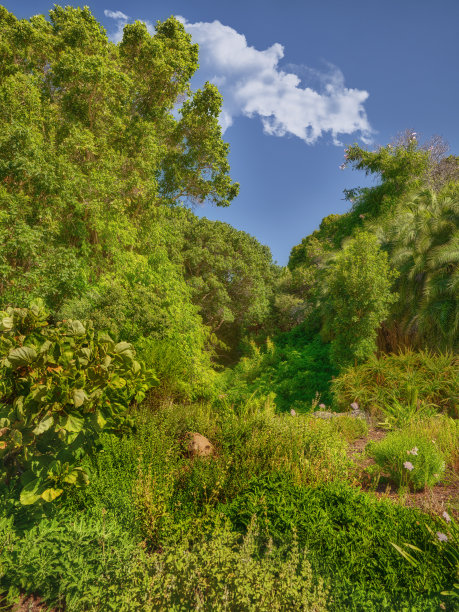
(380, 383)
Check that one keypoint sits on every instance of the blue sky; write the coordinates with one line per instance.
(302, 79)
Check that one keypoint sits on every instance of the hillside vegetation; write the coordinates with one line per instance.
(185, 425)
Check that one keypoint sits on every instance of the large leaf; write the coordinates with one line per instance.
(6, 324)
(75, 328)
(124, 349)
(79, 397)
(51, 494)
(44, 424)
(21, 356)
(73, 424)
(29, 494)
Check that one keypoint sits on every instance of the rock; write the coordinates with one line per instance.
(198, 445)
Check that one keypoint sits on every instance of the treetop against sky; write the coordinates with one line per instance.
(300, 81)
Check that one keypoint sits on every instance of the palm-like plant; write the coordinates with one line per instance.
(422, 237)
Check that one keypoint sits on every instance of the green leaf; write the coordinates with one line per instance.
(51, 494)
(23, 355)
(75, 328)
(16, 437)
(77, 476)
(79, 397)
(73, 424)
(29, 493)
(44, 424)
(124, 349)
(6, 324)
(100, 420)
(406, 555)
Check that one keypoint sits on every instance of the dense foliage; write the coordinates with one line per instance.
(59, 388)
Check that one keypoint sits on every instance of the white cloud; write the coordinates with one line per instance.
(254, 85)
(121, 20)
(115, 15)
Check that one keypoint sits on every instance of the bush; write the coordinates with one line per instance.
(380, 382)
(93, 564)
(350, 427)
(60, 386)
(348, 536)
(410, 458)
(294, 367)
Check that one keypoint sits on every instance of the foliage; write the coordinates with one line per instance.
(351, 428)
(92, 564)
(230, 274)
(381, 382)
(348, 535)
(59, 387)
(92, 158)
(295, 367)
(358, 298)
(410, 458)
(422, 237)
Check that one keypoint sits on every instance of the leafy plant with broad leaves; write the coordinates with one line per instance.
(60, 386)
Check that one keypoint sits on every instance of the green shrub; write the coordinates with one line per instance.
(294, 367)
(93, 564)
(410, 458)
(350, 427)
(443, 432)
(60, 386)
(348, 536)
(379, 383)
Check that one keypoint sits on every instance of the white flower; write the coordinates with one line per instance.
(408, 465)
(292, 412)
(442, 536)
(342, 167)
(446, 516)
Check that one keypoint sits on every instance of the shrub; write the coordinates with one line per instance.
(350, 427)
(93, 564)
(292, 366)
(379, 382)
(410, 458)
(60, 386)
(348, 536)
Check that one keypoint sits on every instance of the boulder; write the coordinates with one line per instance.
(198, 445)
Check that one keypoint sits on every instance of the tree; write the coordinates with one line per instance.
(422, 238)
(91, 154)
(358, 296)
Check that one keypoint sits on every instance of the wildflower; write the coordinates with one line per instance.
(354, 406)
(322, 406)
(408, 465)
(362, 216)
(442, 536)
(292, 412)
(446, 516)
(413, 451)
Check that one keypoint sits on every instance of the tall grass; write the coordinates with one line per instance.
(379, 383)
